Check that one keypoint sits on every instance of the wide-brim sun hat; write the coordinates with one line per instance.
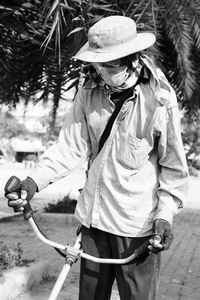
(114, 37)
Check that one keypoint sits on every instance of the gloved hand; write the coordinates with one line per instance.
(162, 236)
(19, 192)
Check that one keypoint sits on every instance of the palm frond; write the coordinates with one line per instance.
(61, 27)
(193, 13)
(177, 44)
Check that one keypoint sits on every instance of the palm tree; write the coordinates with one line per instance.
(38, 39)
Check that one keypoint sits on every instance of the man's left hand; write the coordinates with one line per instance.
(162, 236)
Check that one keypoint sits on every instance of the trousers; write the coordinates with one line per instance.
(137, 280)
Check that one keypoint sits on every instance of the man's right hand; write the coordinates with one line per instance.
(19, 192)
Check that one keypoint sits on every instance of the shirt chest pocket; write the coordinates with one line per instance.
(134, 152)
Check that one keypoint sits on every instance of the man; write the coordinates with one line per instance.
(138, 176)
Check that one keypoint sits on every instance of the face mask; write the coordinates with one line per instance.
(114, 77)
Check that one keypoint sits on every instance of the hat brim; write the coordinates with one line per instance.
(141, 42)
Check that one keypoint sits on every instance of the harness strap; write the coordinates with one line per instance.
(144, 77)
(123, 96)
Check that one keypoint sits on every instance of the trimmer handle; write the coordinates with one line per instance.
(14, 185)
(143, 250)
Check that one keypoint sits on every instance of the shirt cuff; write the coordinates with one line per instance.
(167, 207)
(42, 177)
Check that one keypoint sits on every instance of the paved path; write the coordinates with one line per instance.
(180, 276)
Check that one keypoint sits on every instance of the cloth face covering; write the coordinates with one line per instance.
(113, 77)
(118, 78)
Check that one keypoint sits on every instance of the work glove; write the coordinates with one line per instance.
(162, 236)
(19, 193)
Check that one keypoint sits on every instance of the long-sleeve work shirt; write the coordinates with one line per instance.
(140, 173)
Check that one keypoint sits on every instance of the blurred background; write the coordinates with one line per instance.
(38, 82)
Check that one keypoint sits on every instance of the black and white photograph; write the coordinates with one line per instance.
(99, 150)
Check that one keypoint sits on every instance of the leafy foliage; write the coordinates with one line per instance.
(178, 26)
(11, 256)
(25, 67)
(66, 205)
(10, 127)
(39, 38)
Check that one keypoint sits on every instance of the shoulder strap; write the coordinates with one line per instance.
(108, 127)
(144, 77)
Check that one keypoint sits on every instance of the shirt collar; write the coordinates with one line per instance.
(151, 68)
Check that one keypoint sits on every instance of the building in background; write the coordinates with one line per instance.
(27, 146)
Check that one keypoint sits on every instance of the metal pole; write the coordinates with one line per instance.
(65, 270)
(60, 281)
